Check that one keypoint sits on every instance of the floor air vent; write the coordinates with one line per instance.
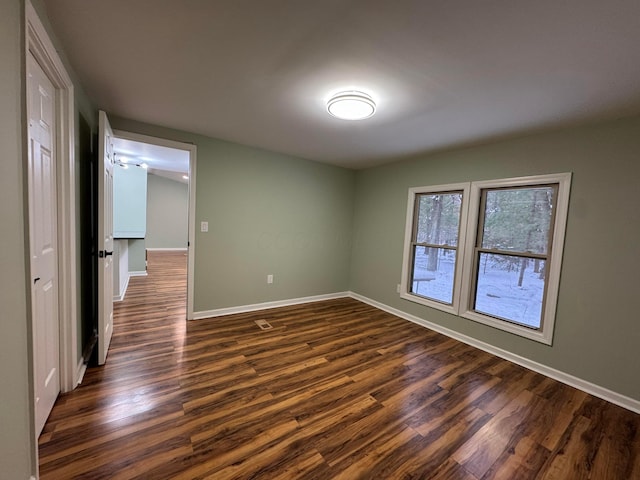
(263, 324)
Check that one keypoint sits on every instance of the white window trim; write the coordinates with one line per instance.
(405, 291)
(545, 333)
(469, 216)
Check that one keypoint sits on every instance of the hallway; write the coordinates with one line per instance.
(135, 394)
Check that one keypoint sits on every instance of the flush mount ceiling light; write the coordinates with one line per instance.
(351, 105)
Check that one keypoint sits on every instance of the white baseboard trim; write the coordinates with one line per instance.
(181, 249)
(140, 273)
(579, 383)
(267, 305)
(119, 298)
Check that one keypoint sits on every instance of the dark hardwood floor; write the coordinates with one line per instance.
(335, 390)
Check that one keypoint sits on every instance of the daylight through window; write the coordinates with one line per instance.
(489, 251)
(511, 253)
(435, 245)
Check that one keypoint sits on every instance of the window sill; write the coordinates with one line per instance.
(542, 336)
(429, 303)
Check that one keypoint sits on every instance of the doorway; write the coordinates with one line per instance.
(61, 303)
(43, 239)
(169, 172)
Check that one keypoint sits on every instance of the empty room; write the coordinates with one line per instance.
(320, 240)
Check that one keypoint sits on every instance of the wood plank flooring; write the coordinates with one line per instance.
(335, 390)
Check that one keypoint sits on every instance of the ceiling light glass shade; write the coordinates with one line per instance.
(351, 105)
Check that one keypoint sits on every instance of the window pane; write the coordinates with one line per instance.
(518, 219)
(433, 273)
(511, 288)
(438, 218)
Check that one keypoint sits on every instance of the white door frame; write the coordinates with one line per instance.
(191, 149)
(38, 43)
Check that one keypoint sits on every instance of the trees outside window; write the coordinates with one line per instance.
(516, 227)
(489, 251)
(435, 244)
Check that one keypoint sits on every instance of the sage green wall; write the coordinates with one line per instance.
(268, 214)
(17, 445)
(167, 213)
(597, 333)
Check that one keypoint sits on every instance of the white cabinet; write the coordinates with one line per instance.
(129, 202)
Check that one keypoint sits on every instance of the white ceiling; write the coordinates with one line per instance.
(443, 72)
(156, 157)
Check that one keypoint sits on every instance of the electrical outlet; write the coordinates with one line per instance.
(269, 278)
(204, 226)
(398, 288)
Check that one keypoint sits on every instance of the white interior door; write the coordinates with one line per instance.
(105, 238)
(43, 220)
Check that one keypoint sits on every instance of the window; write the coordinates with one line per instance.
(489, 251)
(433, 259)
